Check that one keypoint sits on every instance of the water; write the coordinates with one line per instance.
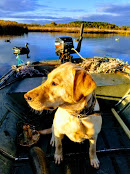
(42, 47)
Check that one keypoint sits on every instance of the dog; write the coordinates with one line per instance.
(70, 89)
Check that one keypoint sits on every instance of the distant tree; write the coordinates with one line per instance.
(89, 24)
(59, 24)
(123, 28)
(53, 23)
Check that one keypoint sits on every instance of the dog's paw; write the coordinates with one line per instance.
(58, 158)
(95, 163)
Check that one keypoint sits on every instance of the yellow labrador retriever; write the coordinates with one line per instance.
(70, 88)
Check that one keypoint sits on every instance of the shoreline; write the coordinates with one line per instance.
(76, 30)
(15, 28)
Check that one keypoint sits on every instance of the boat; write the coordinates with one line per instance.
(23, 150)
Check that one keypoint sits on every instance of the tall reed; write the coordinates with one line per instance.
(13, 28)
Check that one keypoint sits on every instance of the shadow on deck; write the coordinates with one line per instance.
(112, 150)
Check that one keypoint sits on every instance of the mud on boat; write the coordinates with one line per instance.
(24, 151)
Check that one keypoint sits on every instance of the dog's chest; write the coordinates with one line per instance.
(70, 126)
(76, 131)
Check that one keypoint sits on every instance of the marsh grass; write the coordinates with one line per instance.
(76, 30)
(13, 28)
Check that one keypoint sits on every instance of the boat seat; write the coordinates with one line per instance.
(26, 85)
(19, 88)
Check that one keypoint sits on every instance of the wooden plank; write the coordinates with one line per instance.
(121, 122)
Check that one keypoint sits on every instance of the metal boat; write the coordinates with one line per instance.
(20, 155)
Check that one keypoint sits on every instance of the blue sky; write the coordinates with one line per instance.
(46, 11)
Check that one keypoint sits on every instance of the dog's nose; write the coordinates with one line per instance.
(27, 97)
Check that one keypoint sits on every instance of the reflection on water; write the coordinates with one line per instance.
(42, 47)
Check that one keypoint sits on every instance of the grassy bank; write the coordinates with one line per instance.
(12, 28)
(76, 30)
(74, 27)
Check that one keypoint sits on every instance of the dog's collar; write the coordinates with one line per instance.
(88, 110)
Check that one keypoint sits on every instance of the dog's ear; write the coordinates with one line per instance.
(83, 84)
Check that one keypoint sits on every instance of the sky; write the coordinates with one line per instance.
(46, 11)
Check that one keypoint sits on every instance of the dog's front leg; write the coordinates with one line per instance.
(58, 150)
(92, 153)
(56, 140)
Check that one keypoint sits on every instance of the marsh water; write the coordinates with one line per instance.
(42, 47)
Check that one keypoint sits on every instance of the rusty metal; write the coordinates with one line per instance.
(29, 137)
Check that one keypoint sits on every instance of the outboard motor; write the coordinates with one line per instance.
(64, 47)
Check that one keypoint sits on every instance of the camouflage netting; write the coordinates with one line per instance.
(104, 65)
(28, 71)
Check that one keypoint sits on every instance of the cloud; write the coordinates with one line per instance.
(46, 19)
(30, 11)
(115, 14)
(18, 5)
(116, 9)
(21, 10)
(113, 19)
(65, 10)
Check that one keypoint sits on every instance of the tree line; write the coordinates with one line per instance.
(89, 24)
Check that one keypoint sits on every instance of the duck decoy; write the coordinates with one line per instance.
(22, 50)
(8, 40)
(117, 39)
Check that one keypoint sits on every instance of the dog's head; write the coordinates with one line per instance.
(67, 84)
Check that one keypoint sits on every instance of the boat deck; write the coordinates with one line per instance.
(113, 145)
(112, 150)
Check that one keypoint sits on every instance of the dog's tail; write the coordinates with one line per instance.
(45, 131)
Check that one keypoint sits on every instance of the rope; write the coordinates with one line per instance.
(78, 54)
(20, 61)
